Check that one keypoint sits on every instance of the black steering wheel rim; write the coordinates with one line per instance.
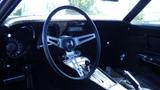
(46, 49)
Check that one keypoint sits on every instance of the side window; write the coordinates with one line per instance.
(150, 14)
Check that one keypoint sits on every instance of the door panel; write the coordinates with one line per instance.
(144, 52)
(144, 40)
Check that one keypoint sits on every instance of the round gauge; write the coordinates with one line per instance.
(14, 48)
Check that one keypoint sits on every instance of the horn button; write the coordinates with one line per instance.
(68, 43)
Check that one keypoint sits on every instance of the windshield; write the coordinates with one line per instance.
(96, 9)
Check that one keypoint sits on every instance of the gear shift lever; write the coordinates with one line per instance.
(134, 82)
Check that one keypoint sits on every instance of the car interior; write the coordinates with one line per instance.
(43, 53)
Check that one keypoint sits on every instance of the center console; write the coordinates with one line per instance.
(102, 79)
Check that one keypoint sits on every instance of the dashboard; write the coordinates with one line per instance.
(18, 37)
(21, 43)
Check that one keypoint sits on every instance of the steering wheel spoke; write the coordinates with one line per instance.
(84, 38)
(54, 41)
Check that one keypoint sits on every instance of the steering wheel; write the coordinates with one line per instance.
(69, 43)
